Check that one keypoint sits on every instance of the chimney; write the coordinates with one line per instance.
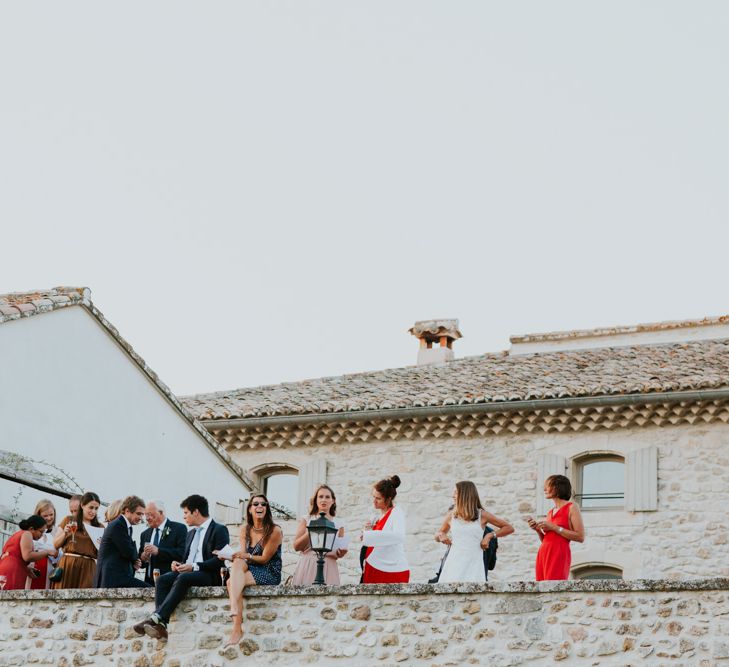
(442, 333)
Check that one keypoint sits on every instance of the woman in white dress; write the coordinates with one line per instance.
(466, 523)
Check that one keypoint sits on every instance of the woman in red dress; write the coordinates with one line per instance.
(562, 526)
(18, 552)
(385, 561)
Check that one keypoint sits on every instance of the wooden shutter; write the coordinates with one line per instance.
(547, 464)
(641, 480)
(310, 474)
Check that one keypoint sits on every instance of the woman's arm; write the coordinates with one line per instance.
(61, 535)
(445, 528)
(301, 539)
(576, 531)
(503, 528)
(269, 550)
(535, 527)
(27, 553)
(393, 532)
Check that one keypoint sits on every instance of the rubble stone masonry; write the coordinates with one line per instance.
(644, 622)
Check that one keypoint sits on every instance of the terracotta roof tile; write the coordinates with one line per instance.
(484, 379)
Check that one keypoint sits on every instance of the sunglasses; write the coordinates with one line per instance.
(259, 504)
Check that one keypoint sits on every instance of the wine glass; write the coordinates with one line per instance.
(72, 526)
(3, 581)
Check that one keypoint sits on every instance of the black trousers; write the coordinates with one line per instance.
(172, 588)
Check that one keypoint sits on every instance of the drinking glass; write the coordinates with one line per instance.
(72, 526)
(155, 575)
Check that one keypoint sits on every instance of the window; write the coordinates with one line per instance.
(600, 481)
(596, 571)
(280, 483)
(282, 490)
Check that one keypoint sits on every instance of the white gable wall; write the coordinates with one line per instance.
(70, 395)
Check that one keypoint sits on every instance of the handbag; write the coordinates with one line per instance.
(56, 574)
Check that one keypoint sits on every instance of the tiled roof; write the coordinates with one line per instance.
(27, 304)
(484, 379)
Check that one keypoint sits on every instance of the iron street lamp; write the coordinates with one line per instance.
(321, 538)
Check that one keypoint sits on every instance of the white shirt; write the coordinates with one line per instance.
(129, 525)
(389, 552)
(194, 558)
(161, 529)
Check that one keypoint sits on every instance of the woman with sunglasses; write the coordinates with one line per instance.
(258, 563)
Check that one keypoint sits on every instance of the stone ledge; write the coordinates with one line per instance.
(513, 587)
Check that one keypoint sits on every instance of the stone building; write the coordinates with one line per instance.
(635, 416)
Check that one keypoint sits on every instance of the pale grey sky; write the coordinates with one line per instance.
(259, 192)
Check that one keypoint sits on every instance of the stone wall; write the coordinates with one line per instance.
(687, 537)
(575, 623)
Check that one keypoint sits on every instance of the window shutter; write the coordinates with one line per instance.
(641, 480)
(547, 464)
(310, 474)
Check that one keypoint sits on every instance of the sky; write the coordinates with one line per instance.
(260, 192)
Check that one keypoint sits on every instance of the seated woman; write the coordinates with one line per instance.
(466, 523)
(19, 552)
(258, 563)
(325, 501)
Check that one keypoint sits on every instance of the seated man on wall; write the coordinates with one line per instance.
(117, 558)
(162, 543)
(201, 566)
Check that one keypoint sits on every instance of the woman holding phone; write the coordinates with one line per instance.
(562, 526)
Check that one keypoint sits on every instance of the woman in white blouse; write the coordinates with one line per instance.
(385, 561)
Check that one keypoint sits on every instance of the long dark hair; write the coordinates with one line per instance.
(33, 522)
(268, 524)
(314, 510)
(87, 498)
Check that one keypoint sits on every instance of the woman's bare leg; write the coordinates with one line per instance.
(240, 577)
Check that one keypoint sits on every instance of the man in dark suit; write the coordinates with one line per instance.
(200, 568)
(117, 558)
(165, 541)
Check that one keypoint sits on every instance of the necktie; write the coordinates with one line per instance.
(194, 545)
(130, 532)
(155, 541)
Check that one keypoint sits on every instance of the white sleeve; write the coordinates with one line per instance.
(394, 532)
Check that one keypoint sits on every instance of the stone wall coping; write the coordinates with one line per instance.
(513, 587)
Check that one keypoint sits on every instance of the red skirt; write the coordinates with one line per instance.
(375, 576)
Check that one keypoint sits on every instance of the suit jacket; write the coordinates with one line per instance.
(117, 553)
(216, 537)
(171, 547)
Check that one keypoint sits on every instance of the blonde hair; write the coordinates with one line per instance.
(43, 505)
(113, 511)
(468, 503)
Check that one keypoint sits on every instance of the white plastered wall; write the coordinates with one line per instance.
(70, 395)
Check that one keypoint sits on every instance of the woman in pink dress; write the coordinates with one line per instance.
(19, 552)
(325, 501)
(562, 526)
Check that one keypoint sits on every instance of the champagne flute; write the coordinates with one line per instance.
(155, 575)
